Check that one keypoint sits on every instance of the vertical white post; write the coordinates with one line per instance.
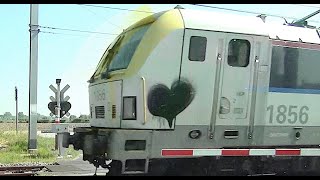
(58, 81)
(59, 135)
(16, 98)
(33, 77)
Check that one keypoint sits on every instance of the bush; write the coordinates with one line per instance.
(23, 121)
(43, 121)
(77, 120)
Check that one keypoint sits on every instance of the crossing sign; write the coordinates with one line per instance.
(64, 107)
(59, 104)
(62, 98)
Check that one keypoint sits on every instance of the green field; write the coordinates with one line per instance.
(11, 126)
(14, 149)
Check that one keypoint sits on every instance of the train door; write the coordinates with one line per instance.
(221, 68)
(232, 112)
(198, 73)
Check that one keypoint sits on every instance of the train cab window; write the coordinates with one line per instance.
(238, 53)
(197, 48)
(124, 50)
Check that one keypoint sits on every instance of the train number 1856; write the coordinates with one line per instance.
(290, 113)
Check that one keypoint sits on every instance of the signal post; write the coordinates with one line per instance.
(59, 106)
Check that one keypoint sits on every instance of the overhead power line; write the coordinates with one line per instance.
(251, 12)
(49, 32)
(228, 9)
(100, 16)
(302, 5)
(76, 30)
(66, 34)
(122, 9)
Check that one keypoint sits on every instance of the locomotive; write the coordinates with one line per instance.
(190, 92)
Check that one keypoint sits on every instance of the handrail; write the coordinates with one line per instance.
(144, 99)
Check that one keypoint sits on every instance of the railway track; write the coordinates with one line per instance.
(20, 170)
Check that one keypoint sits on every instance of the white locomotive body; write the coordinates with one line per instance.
(190, 89)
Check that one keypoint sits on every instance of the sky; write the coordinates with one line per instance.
(73, 56)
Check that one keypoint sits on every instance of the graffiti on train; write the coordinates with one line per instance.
(168, 103)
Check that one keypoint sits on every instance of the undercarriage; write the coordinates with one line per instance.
(94, 144)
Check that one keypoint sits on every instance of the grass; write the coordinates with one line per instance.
(14, 149)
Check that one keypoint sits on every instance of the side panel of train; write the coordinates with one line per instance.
(236, 92)
(226, 101)
(292, 113)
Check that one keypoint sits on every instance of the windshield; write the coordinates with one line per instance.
(125, 49)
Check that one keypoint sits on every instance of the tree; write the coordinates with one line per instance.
(82, 116)
(64, 119)
(72, 117)
(22, 116)
(45, 117)
(8, 116)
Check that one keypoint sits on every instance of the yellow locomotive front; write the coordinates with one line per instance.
(120, 121)
(131, 64)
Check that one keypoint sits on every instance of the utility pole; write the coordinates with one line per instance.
(16, 98)
(33, 77)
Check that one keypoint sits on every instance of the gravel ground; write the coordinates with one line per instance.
(75, 167)
(27, 164)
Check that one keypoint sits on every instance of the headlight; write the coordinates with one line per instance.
(129, 108)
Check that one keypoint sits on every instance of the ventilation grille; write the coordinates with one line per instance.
(114, 111)
(99, 112)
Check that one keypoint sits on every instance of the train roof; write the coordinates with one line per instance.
(208, 20)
